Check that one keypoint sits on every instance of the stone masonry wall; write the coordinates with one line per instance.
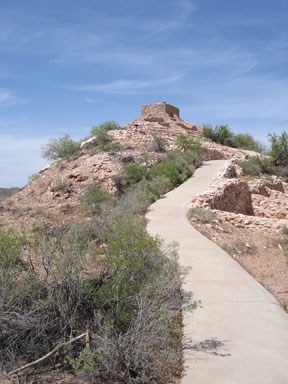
(230, 195)
(159, 109)
(257, 204)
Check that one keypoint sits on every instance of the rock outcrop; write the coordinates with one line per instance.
(256, 204)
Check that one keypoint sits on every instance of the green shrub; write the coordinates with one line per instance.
(279, 148)
(187, 143)
(159, 185)
(108, 276)
(159, 143)
(94, 197)
(223, 135)
(256, 166)
(63, 147)
(246, 141)
(220, 134)
(106, 126)
(252, 167)
(9, 259)
(177, 167)
(131, 174)
(103, 140)
(208, 132)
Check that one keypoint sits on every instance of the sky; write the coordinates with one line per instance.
(67, 66)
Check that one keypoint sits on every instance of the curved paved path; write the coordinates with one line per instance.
(240, 335)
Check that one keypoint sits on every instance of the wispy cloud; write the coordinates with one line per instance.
(8, 98)
(123, 86)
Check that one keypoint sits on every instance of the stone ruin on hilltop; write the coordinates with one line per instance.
(159, 109)
(163, 118)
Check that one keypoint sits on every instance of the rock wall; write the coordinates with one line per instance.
(257, 204)
(159, 109)
(228, 195)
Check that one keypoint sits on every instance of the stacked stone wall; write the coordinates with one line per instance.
(159, 109)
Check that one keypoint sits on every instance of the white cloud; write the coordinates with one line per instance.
(7, 98)
(122, 86)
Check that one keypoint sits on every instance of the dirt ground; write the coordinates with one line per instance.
(260, 253)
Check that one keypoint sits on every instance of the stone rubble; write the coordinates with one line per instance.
(260, 204)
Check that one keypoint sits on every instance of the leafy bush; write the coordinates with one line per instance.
(144, 193)
(159, 143)
(187, 143)
(177, 167)
(103, 140)
(94, 197)
(131, 174)
(107, 276)
(62, 147)
(220, 134)
(9, 260)
(105, 127)
(252, 167)
(223, 135)
(279, 149)
(208, 132)
(256, 166)
(246, 141)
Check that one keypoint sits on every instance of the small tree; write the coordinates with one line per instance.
(223, 135)
(279, 148)
(187, 143)
(246, 141)
(106, 126)
(208, 132)
(61, 147)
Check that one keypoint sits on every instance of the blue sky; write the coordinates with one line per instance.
(66, 66)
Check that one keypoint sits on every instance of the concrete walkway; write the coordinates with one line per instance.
(240, 335)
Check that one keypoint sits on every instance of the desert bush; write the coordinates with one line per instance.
(131, 174)
(220, 134)
(94, 197)
(187, 143)
(203, 215)
(247, 141)
(279, 149)
(106, 275)
(208, 132)
(59, 184)
(145, 192)
(105, 127)
(159, 143)
(252, 166)
(103, 140)
(62, 147)
(159, 185)
(223, 135)
(9, 262)
(177, 167)
(256, 166)
(127, 159)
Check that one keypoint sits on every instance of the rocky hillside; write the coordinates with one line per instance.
(54, 192)
(244, 215)
(248, 208)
